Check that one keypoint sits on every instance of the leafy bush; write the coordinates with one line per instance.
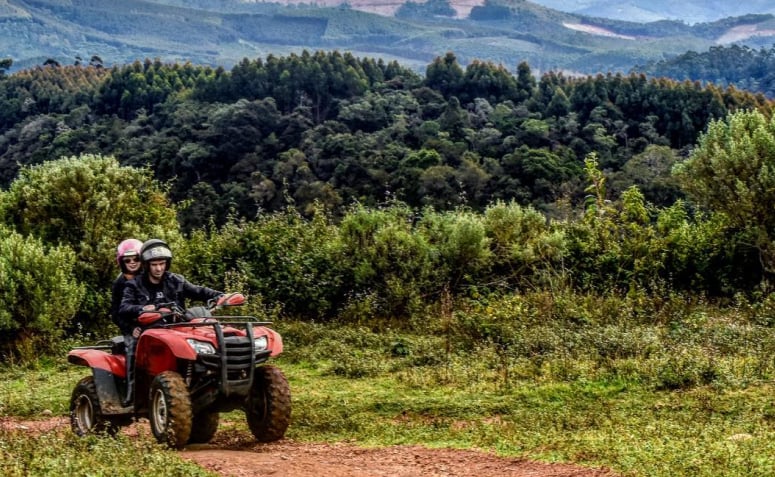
(387, 258)
(522, 242)
(460, 251)
(288, 262)
(39, 295)
(89, 203)
(730, 172)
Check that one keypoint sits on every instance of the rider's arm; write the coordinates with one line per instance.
(197, 292)
(132, 303)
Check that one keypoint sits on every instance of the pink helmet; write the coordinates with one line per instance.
(127, 248)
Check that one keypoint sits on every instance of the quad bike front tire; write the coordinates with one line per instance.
(169, 410)
(268, 407)
(86, 415)
(204, 427)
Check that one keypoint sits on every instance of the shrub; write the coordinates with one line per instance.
(522, 242)
(39, 295)
(386, 259)
(289, 262)
(89, 203)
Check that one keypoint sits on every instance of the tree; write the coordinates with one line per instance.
(526, 83)
(89, 203)
(5, 65)
(445, 75)
(489, 81)
(96, 61)
(732, 171)
(650, 171)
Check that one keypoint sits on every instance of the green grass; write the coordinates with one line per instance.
(703, 432)
(635, 431)
(56, 453)
(677, 392)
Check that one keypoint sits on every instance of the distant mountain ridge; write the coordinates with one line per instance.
(689, 11)
(379, 7)
(223, 32)
(640, 11)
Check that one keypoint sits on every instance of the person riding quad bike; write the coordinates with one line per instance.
(189, 365)
(155, 285)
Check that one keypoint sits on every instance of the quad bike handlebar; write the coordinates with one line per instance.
(171, 312)
(227, 299)
(163, 312)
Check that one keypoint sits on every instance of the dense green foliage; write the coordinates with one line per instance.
(85, 206)
(333, 129)
(330, 186)
(733, 171)
(39, 295)
(740, 66)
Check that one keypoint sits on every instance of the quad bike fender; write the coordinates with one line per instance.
(158, 350)
(107, 370)
(275, 340)
(98, 359)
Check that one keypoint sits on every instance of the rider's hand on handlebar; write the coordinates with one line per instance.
(226, 299)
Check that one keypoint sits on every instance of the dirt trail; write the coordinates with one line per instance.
(234, 453)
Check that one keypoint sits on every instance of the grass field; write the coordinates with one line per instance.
(709, 413)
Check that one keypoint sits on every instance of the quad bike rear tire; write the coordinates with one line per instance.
(268, 408)
(169, 410)
(204, 427)
(86, 415)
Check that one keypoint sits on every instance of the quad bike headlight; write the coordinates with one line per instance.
(260, 343)
(201, 347)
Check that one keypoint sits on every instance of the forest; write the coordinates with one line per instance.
(737, 65)
(336, 129)
(331, 185)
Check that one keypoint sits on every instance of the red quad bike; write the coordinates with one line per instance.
(189, 367)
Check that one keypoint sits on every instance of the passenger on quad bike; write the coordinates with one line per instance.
(128, 259)
(154, 286)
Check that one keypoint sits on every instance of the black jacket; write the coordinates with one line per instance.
(139, 292)
(115, 303)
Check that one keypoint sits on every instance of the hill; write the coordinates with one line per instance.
(689, 11)
(224, 32)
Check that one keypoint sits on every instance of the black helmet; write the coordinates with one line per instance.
(155, 249)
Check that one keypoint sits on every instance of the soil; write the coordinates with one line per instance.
(235, 453)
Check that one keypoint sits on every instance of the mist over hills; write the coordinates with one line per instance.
(223, 32)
